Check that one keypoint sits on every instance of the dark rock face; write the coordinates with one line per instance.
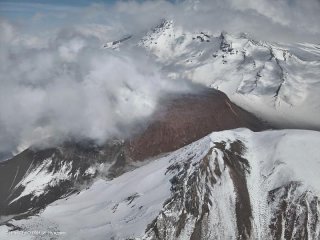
(184, 119)
(239, 167)
(296, 213)
(72, 167)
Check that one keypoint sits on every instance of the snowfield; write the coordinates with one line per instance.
(278, 82)
(208, 174)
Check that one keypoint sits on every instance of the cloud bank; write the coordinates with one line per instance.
(276, 20)
(56, 82)
(66, 86)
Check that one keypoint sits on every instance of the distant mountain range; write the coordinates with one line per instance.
(278, 82)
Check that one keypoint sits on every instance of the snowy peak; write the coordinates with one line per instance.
(197, 187)
(229, 185)
(281, 79)
(230, 190)
(233, 192)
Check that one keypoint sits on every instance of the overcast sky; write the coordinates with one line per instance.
(283, 20)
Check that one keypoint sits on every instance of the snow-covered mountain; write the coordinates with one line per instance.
(228, 185)
(278, 82)
(170, 179)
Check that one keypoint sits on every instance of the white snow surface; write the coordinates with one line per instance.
(123, 207)
(278, 82)
(36, 181)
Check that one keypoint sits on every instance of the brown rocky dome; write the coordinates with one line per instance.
(182, 119)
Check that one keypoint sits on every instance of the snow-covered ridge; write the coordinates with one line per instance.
(278, 82)
(40, 178)
(115, 44)
(34, 178)
(229, 185)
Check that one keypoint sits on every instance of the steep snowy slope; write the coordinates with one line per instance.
(278, 82)
(34, 178)
(229, 185)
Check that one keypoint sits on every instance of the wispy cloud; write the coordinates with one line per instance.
(285, 20)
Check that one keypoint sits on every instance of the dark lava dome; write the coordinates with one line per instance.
(183, 119)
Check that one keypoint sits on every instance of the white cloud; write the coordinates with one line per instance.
(56, 81)
(68, 87)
